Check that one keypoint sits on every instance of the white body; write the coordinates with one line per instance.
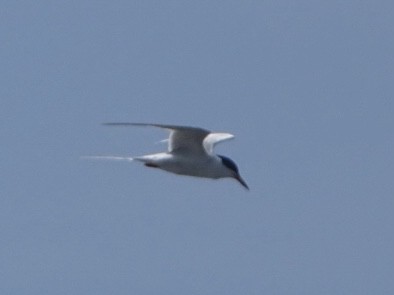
(209, 166)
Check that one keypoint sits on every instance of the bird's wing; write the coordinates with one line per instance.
(214, 138)
(183, 139)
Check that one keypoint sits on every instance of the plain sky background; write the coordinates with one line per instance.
(307, 87)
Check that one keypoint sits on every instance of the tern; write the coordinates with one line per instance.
(190, 152)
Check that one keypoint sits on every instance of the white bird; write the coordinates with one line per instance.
(190, 152)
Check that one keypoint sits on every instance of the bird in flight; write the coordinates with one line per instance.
(190, 152)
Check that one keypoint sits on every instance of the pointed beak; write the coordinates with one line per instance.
(241, 181)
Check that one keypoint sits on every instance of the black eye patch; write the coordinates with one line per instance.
(229, 163)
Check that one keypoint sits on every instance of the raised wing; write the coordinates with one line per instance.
(214, 138)
(183, 139)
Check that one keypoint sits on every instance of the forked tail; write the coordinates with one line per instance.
(112, 158)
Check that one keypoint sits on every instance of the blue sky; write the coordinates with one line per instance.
(306, 87)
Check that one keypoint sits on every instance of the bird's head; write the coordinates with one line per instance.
(233, 170)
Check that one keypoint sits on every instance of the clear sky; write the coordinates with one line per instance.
(306, 87)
